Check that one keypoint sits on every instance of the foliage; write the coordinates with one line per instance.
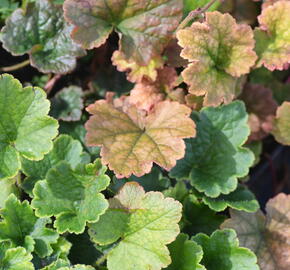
(183, 100)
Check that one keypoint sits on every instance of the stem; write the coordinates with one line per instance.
(16, 67)
(195, 13)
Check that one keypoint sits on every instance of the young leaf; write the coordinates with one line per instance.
(185, 254)
(7, 187)
(215, 158)
(131, 142)
(241, 199)
(219, 51)
(273, 36)
(267, 236)
(137, 72)
(24, 121)
(281, 129)
(144, 223)
(23, 228)
(221, 251)
(261, 107)
(144, 26)
(72, 195)
(41, 32)
(67, 104)
(64, 149)
(14, 258)
(147, 93)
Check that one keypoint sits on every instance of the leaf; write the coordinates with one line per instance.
(14, 258)
(147, 93)
(68, 104)
(221, 251)
(131, 142)
(137, 72)
(185, 254)
(215, 158)
(7, 187)
(261, 107)
(281, 129)
(241, 199)
(273, 37)
(63, 265)
(219, 51)
(144, 27)
(268, 236)
(24, 121)
(198, 217)
(42, 32)
(23, 228)
(144, 223)
(64, 149)
(72, 195)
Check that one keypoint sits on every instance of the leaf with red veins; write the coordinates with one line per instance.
(147, 93)
(273, 36)
(135, 71)
(144, 26)
(268, 236)
(219, 51)
(281, 129)
(261, 107)
(131, 140)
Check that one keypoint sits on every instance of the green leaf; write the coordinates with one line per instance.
(215, 158)
(7, 186)
(24, 121)
(179, 192)
(63, 265)
(219, 51)
(7, 7)
(23, 228)
(64, 149)
(14, 258)
(67, 104)
(42, 32)
(241, 199)
(189, 5)
(72, 195)
(143, 223)
(144, 27)
(221, 251)
(268, 236)
(273, 36)
(185, 254)
(198, 217)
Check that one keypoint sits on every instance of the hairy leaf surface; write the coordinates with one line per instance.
(144, 223)
(23, 228)
(42, 32)
(215, 158)
(23, 121)
(144, 26)
(72, 195)
(273, 36)
(268, 236)
(221, 251)
(219, 51)
(132, 141)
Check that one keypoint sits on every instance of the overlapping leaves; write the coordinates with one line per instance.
(72, 195)
(268, 236)
(144, 26)
(24, 121)
(215, 158)
(40, 31)
(24, 229)
(132, 141)
(219, 51)
(144, 223)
